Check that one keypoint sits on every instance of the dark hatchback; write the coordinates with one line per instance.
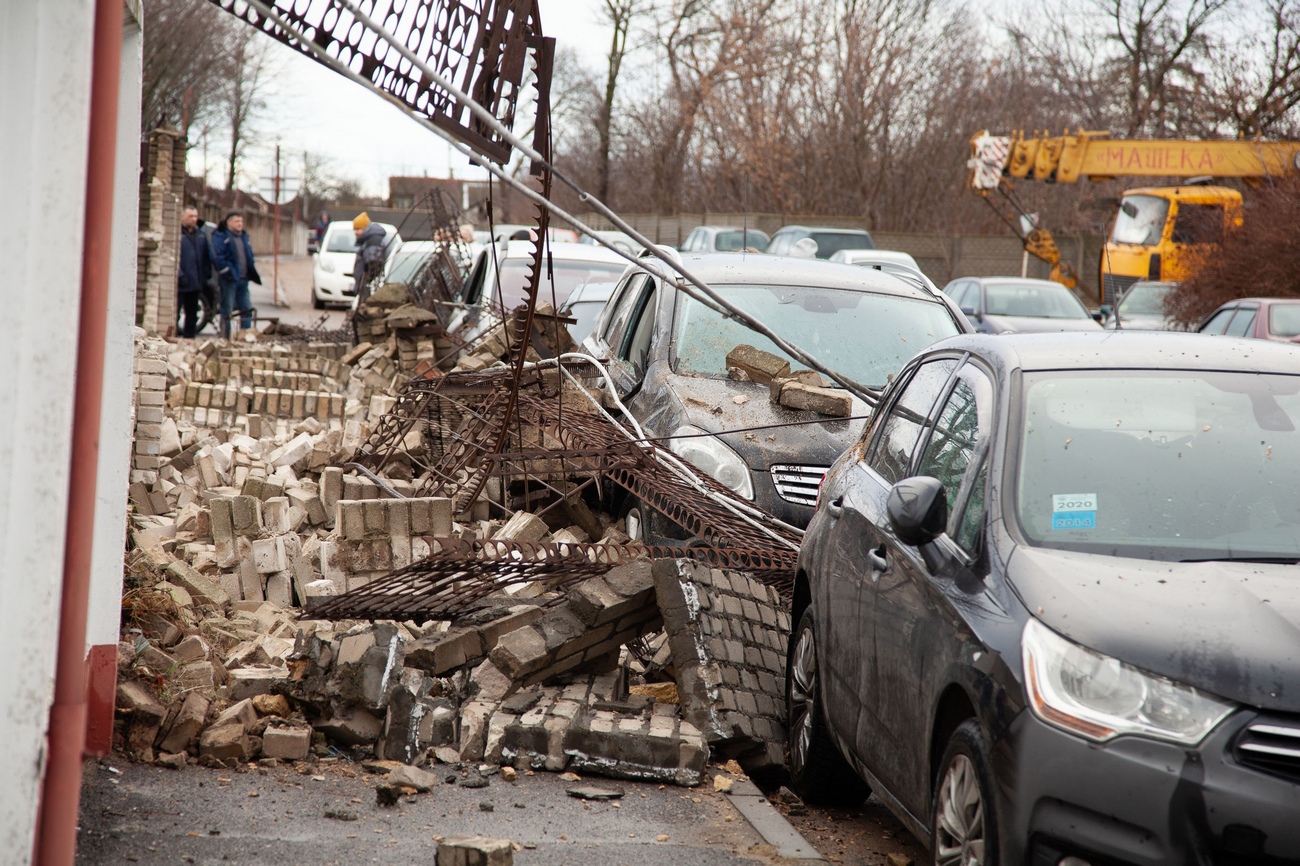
(1049, 606)
(667, 354)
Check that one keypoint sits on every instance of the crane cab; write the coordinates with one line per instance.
(1159, 233)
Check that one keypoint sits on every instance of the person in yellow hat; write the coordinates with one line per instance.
(371, 252)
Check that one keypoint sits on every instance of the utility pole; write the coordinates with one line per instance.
(275, 244)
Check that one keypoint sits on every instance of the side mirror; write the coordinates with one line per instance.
(918, 510)
(1099, 317)
(969, 311)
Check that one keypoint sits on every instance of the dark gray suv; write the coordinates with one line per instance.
(667, 354)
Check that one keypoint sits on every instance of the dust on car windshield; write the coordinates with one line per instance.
(862, 335)
(1169, 465)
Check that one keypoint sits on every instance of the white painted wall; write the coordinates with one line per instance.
(45, 62)
(115, 423)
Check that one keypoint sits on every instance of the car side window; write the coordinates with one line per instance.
(954, 289)
(1241, 323)
(1218, 321)
(688, 245)
(953, 443)
(901, 429)
(972, 516)
(970, 298)
(621, 310)
(636, 345)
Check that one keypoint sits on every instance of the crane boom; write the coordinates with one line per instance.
(997, 162)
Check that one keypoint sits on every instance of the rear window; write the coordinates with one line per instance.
(830, 243)
(732, 241)
(1284, 320)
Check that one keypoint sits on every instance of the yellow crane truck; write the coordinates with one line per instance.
(1158, 231)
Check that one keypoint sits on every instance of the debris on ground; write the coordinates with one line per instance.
(331, 556)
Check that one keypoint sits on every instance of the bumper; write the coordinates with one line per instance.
(1138, 801)
(334, 287)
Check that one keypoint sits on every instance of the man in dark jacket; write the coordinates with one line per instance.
(371, 253)
(235, 265)
(194, 269)
(322, 225)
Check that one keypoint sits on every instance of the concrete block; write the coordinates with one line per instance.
(475, 851)
(279, 588)
(252, 681)
(225, 742)
(522, 526)
(275, 515)
(192, 649)
(269, 555)
(186, 724)
(200, 588)
(825, 401)
(292, 744)
(757, 365)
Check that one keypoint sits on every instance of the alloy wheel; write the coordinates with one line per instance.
(959, 836)
(803, 696)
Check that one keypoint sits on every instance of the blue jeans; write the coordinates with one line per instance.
(235, 296)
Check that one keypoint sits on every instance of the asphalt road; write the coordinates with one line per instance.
(144, 814)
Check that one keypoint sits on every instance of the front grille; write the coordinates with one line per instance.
(1272, 746)
(798, 484)
(1113, 286)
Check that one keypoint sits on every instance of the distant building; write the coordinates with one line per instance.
(467, 196)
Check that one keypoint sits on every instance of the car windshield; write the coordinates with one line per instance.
(406, 263)
(1284, 320)
(1167, 465)
(865, 336)
(830, 243)
(343, 241)
(569, 275)
(731, 241)
(1032, 300)
(1145, 300)
(1141, 220)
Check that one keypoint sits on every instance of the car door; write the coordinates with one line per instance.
(613, 319)
(852, 544)
(917, 636)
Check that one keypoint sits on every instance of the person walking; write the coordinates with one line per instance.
(195, 267)
(371, 253)
(234, 263)
(321, 225)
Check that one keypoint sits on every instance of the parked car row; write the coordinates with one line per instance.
(1045, 607)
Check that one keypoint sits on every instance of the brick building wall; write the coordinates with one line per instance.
(162, 181)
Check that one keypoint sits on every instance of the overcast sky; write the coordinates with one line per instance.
(313, 108)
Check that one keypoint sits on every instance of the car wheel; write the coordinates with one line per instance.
(818, 772)
(963, 818)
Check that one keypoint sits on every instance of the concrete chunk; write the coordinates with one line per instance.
(292, 744)
(759, 366)
(475, 851)
(523, 526)
(824, 401)
(198, 586)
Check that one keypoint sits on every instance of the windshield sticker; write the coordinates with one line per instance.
(1074, 511)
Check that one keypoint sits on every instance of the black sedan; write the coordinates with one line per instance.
(668, 356)
(1049, 606)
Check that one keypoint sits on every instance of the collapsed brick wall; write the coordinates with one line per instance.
(728, 635)
(162, 181)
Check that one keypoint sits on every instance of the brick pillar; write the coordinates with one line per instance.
(162, 182)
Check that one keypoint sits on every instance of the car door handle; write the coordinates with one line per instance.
(836, 507)
(879, 561)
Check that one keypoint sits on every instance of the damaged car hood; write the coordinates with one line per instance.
(1231, 629)
(720, 405)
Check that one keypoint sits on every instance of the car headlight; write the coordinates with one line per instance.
(326, 266)
(709, 455)
(1100, 697)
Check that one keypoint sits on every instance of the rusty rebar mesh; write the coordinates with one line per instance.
(462, 574)
(554, 449)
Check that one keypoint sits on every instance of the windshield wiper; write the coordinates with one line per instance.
(1267, 560)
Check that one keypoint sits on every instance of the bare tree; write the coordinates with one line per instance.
(618, 14)
(244, 96)
(1258, 83)
(186, 60)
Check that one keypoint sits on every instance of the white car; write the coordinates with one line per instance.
(500, 273)
(895, 262)
(331, 269)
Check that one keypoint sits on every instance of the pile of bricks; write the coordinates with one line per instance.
(245, 516)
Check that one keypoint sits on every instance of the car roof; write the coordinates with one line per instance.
(1139, 350)
(839, 229)
(766, 270)
(1016, 281)
(564, 251)
(1258, 301)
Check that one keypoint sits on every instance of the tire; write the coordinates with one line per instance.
(963, 812)
(818, 772)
